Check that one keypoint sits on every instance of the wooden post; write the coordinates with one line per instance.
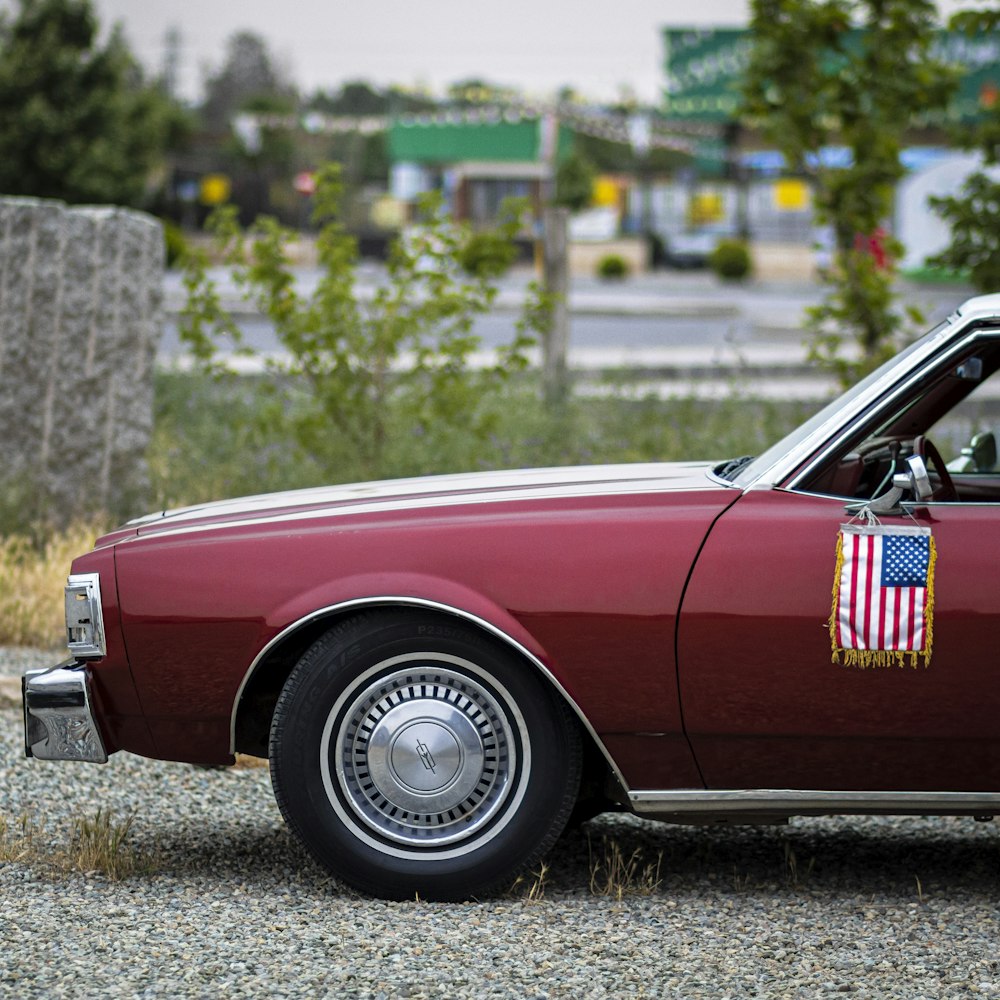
(555, 343)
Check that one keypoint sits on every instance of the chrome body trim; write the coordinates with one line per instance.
(59, 721)
(420, 602)
(84, 616)
(803, 802)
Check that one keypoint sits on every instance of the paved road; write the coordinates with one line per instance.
(702, 332)
(661, 309)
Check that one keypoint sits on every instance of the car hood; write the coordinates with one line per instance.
(432, 492)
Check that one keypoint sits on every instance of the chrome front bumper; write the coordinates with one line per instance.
(59, 722)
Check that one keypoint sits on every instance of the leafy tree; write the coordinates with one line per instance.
(356, 97)
(974, 214)
(469, 93)
(574, 182)
(814, 82)
(360, 380)
(77, 121)
(247, 75)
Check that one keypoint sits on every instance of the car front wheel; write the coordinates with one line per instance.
(413, 755)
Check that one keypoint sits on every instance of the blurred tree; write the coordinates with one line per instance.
(813, 82)
(974, 214)
(77, 120)
(574, 182)
(247, 75)
(469, 93)
(356, 97)
(610, 157)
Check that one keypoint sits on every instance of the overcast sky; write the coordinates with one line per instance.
(535, 45)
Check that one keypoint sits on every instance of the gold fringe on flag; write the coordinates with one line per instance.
(865, 659)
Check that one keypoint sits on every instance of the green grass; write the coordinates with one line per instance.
(223, 439)
(216, 439)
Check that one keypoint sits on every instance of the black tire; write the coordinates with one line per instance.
(414, 755)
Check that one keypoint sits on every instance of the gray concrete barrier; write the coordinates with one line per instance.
(80, 318)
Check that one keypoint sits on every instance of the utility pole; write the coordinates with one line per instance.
(555, 342)
(172, 44)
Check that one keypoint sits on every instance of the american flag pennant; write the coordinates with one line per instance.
(883, 596)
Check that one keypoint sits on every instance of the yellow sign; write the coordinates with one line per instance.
(791, 196)
(706, 207)
(214, 189)
(606, 193)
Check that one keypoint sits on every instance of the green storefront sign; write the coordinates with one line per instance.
(459, 138)
(705, 66)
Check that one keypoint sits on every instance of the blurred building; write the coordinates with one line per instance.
(477, 158)
(734, 183)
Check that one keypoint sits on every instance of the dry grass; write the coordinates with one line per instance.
(531, 887)
(10, 692)
(98, 844)
(17, 840)
(612, 873)
(31, 599)
(245, 762)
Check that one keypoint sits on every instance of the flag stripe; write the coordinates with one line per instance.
(882, 589)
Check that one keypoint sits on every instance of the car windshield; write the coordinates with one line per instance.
(745, 472)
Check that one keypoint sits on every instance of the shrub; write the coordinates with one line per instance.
(176, 245)
(612, 267)
(730, 260)
(487, 254)
(356, 377)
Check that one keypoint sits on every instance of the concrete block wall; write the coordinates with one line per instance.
(80, 318)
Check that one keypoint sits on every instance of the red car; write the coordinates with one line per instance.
(442, 670)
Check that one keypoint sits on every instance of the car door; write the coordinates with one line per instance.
(766, 706)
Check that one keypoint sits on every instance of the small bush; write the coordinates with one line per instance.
(487, 254)
(175, 243)
(613, 267)
(730, 260)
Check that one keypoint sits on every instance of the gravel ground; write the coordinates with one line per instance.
(871, 907)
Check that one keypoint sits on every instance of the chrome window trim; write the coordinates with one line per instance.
(718, 480)
(789, 801)
(420, 602)
(909, 506)
(881, 406)
(816, 448)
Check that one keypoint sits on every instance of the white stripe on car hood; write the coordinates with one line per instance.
(433, 491)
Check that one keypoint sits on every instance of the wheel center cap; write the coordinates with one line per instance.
(425, 756)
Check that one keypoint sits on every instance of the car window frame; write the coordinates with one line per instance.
(937, 351)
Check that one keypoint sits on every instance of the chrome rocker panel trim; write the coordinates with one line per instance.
(734, 803)
(59, 721)
(420, 602)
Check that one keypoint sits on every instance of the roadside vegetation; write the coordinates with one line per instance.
(388, 388)
(97, 844)
(212, 439)
(34, 570)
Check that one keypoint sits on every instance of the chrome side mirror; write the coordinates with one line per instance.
(914, 478)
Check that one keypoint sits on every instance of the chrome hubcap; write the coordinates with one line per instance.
(424, 756)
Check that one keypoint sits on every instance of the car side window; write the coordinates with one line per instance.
(952, 422)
